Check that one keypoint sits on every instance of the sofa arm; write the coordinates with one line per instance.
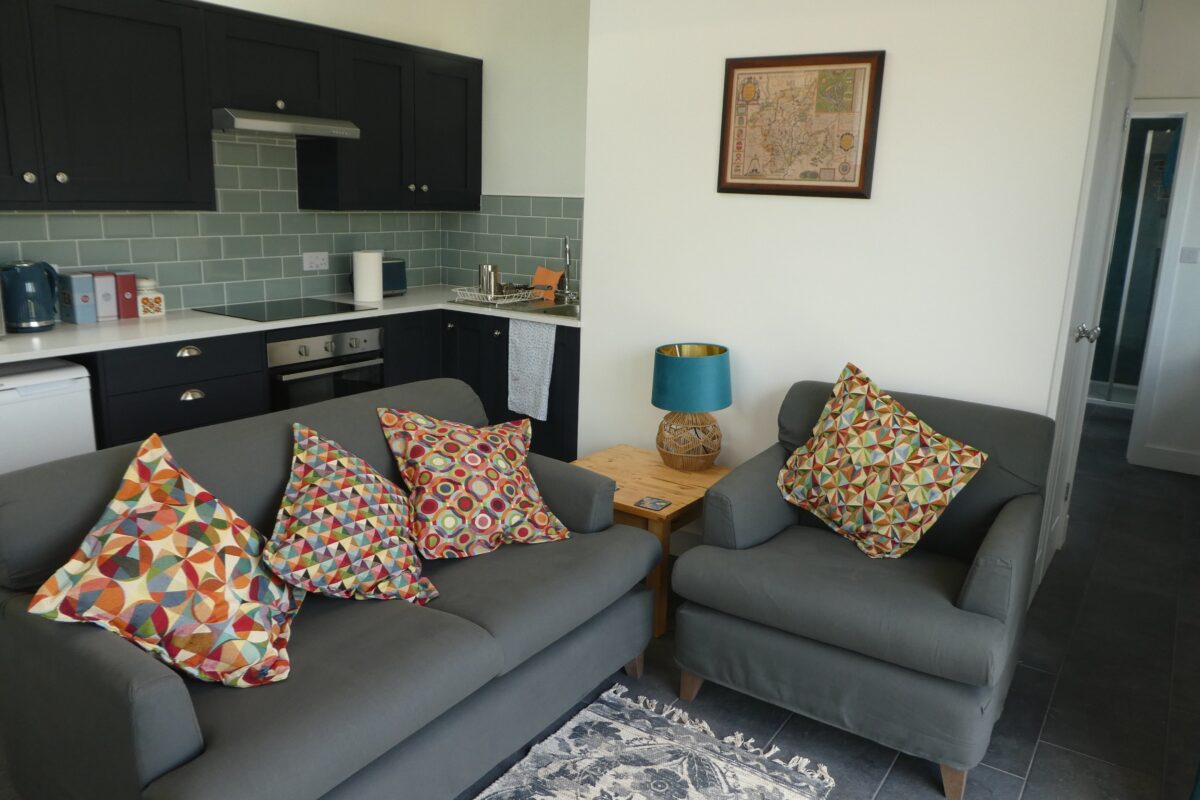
(1002, 572)
(124, 717)
(582, 499)
(746, 508)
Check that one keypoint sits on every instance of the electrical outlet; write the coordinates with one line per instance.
(316, 262)
(1189, 255)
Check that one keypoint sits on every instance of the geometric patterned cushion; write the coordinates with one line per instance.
(342, 529)
(873, 471)
(178, 573)
(470, 488)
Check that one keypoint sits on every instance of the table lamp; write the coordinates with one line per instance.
(690, 380)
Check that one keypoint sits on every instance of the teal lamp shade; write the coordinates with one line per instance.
(691, 378)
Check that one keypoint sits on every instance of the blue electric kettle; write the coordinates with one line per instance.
(29, 291)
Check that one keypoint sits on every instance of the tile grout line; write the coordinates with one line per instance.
(777, 730)
(883, 780)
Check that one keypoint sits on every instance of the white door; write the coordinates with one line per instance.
(1166, 430)
(1093, 241)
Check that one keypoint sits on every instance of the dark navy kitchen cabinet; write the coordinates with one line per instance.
(475, 350)
(448, 135)
(21, 177)
(413, 347)
(123, 111)
(264, 64)
(420, 115)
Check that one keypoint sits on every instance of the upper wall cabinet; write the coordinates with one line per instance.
(263, 64)
(447, 134)
(122, 103)
(20, 167)
(420, 117)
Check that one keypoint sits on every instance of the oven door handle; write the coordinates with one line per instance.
(312, 373)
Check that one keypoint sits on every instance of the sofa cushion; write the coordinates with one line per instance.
(529, 596)
(811, 584)
(365, 677)
(874, 471)
(343, 529)
(179, 573)
(470, 488)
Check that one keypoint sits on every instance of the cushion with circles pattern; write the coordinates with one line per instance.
(470, 489)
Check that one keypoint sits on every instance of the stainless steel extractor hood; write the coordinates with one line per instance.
(236, 119)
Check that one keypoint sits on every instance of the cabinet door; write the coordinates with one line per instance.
(269, 65)
(558, 435)
(125, 119)
(447, 131)
(375, 93)
(413, 350)
(21, 180)
(494, 337)
(463, 355)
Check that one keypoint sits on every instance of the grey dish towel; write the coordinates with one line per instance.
(530, 362)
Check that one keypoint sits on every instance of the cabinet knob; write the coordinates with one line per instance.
(192, 394)
(29, 177)
(188, 351)
(424, 187)
(62, 177)
(497, 333)
(412, 187)
(449, 326)
(282, 106)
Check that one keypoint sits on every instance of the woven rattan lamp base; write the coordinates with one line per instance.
(689, 442)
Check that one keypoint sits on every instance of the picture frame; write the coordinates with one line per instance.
(801, 124)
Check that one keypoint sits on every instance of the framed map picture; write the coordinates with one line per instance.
(801, 124)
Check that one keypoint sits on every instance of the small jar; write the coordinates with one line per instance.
(150, 302)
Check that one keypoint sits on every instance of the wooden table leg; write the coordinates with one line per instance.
(660, 578)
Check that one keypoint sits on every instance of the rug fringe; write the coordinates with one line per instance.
(677, 715)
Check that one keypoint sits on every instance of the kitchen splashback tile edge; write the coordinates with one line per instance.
(226, 251)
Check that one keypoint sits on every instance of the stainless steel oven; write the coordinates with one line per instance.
(323, 367)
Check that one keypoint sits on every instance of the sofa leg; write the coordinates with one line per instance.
(635, 668)
(954, 782)
(689, 686)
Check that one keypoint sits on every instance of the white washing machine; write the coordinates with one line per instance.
(45, 413)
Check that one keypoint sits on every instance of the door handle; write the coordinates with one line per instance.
(1084, 332)
(188, 351)
(312, 373)
(192, 394)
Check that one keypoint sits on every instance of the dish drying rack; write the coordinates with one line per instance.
(503, 298)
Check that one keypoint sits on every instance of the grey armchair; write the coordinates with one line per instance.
(916, 653)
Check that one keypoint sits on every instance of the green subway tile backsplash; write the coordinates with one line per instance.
(250, 247)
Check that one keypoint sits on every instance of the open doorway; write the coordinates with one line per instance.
(1151, 158)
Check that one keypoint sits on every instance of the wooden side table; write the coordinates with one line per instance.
(640, 473)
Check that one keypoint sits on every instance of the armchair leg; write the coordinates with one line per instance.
(954, 782)
(635, 668)
(689, 686)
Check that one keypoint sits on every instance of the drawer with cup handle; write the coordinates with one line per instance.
(134, 416)
(136, 369)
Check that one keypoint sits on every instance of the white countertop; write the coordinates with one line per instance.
(66, 339)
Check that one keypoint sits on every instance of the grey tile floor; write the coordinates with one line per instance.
(1105, 704)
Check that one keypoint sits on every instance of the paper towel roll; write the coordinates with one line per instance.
(368, 276)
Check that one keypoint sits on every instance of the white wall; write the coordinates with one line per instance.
(950, 280)
(1169, 64)
(534, 73)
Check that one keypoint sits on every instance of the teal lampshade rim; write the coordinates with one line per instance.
(691, 382)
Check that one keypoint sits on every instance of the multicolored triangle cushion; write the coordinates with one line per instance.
(470, 488)
(342, 529)
(873, 471)
(177, 572)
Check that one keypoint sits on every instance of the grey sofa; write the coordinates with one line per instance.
(385, 699)
(917, 652)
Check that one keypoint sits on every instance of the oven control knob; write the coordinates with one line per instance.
(353, 343)
(303, 350)
(329, 347)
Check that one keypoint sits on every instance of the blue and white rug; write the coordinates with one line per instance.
(617, 749)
